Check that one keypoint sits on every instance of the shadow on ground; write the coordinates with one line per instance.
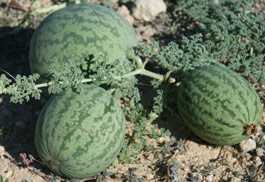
(17, 121)
(169, 119)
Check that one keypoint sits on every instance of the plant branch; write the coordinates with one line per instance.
(131, 55)
(143, 71)
(140, 67)
(41, 85)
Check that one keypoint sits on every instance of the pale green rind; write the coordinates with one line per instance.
(76, 33)
(217, 104)
(82, 133)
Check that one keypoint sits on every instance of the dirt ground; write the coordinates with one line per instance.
(183, 157)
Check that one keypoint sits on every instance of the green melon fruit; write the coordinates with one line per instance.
(78, 135)
(78, 33)
(219, 105)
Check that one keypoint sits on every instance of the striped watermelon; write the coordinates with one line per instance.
(78, 33)
(219, 105)
(79, 135)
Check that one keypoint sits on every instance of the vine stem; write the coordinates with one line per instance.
(140, 67)
(140, 70)
(131, 55)
(137, 71)
(51, 82)
(145, 72)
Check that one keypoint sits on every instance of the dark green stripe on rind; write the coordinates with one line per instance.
(217, 104)
(82, 133)
(73, 33)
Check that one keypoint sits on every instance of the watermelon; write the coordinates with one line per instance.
(219, 105)
(78, 135)
(80, 35)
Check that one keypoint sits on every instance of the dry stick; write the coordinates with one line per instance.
(49, 9)
(219, 155)
(259, 170)
(52, 8)
(16, 5)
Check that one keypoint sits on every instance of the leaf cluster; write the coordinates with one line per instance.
(67, 77)
(20, 88)
(232, 32)
(174, 57)
(136, 139)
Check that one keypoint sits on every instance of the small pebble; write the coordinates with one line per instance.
(247, 145)
(20, 125)
(260, 152)
(209, 178)
(258, 161)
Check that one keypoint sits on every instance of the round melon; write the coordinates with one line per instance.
(79, 34)
(78, 135)
(219, 105)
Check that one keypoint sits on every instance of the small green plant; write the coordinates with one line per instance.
(232, 33)
(5, 133)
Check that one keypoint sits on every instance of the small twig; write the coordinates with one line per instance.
(259, 171)
(49, 9)
(16, 5)
(32, 158)
(8, 74)
(220, 152)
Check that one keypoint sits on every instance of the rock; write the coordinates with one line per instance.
(257, 161)
(247, 145)
(260, 152)
(123, 11)
(147, 10)
(20, 125)
(209, 178)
